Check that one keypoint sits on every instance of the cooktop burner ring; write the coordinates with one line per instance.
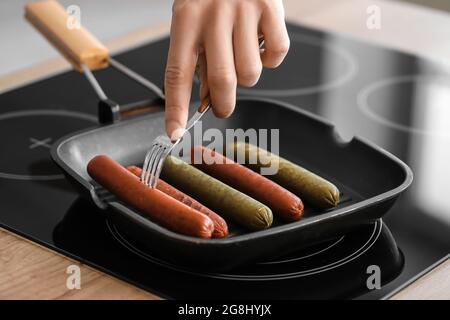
(351, 69)
(306, 256)
(371, 240)
(364, 105)
(41, 142)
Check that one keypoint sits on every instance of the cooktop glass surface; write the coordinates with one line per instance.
(398, 101)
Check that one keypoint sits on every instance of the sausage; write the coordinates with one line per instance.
(288, 206)
(153, 203)
(231, 203)
(307, 185)
(220, 226)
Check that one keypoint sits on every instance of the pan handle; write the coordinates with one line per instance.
(75, 43)
(87, 54)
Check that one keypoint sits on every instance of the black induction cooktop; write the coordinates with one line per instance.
(396, 100)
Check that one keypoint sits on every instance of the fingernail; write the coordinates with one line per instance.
(177, 134)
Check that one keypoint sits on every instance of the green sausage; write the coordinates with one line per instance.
(216, 195)
(307, 185)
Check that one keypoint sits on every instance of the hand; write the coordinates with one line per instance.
(221, 37)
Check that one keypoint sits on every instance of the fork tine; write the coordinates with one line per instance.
(151, 166)
(154, 168)
(151, 163)
(158, 167)
(147, 175)
(145, 165)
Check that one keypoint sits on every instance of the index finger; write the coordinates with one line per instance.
(180, 68)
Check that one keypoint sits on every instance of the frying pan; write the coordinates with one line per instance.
(370, 178)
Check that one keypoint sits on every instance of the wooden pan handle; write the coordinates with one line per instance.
(77, 45)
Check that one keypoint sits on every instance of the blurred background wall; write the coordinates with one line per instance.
(436, 4)
(22, 47)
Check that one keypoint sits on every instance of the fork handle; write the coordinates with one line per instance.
(77, 45)
(204, 107)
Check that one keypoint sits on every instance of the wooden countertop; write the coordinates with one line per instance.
(28, 271)
(432, 284)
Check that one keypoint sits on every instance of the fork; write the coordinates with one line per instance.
(162, 146)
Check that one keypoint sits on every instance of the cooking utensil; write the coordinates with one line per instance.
(162, 146)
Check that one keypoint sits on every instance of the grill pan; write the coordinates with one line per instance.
(370, 179)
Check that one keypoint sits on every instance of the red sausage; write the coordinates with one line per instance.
(158, 206)
(285, 204)
(220, 226)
